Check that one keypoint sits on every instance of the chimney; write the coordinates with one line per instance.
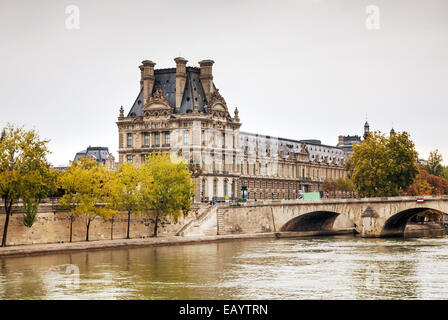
(147, 73)
(141, 76)
(181, 78)
(206, 77)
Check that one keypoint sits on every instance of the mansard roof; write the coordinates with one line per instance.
(317, 151)
(165, 79)
(99, 153)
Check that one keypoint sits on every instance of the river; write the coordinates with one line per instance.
(336, 267)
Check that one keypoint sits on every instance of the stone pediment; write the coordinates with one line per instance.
(219, 107)
(217, 102)
(303, 149)
(157, 102)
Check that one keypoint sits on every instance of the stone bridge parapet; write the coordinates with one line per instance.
(370, 217)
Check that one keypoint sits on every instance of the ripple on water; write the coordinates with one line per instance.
(340, 267)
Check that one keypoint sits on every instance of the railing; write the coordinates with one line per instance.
(196, 222)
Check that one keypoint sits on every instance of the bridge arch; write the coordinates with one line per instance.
(321, 220)
(396, 224)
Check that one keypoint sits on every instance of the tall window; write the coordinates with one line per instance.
(167, 138)
(186, 137)
(223, 137)
(233, 163)
(214, 188)
(203, 137)
(146, 139)
(157, 139)
(233, 189)
(213, 163)
(203, 188)
(129, 158)
(129, 139)
(225, 188)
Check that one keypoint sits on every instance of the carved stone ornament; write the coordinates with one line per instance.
(236, 117)
(121, 112)
(158, 98)
(217, 98)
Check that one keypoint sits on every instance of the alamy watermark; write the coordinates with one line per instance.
(72, 277)
(72, 21)
(373, 20)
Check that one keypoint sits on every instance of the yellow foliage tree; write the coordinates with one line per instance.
(381, 166)
(90, 190)
(23, 172)
(128, 190)
(166, 188)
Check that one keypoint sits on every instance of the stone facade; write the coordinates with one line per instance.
(53, 226)
(181, 112)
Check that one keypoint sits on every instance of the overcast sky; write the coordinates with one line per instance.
(299, 69)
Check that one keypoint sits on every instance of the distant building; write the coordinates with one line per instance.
(346, 142)
(423, 162)
(99, 154)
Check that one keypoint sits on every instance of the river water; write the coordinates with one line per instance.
(337, 267)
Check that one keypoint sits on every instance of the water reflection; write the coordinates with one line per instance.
(340, 267)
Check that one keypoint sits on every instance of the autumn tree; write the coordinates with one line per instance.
(128, 190)
(36, 186)
(427, 184)
(90, 190)
(343, 184)
(445, 173)
(434, 164)
(166, 188)
(23, 171)
(383, 166)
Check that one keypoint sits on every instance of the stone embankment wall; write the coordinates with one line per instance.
(53, 226)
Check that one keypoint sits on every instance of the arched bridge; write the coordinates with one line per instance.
(370, 217)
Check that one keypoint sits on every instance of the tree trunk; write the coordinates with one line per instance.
(71, 227)
(88, 228)
(155, 225)
(8, 213)
(112, 229)
(129, 223)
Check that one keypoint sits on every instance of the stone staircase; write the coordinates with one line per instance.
(203, 225)
(220, 221)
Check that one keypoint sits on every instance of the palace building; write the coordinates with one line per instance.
(179, 110)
